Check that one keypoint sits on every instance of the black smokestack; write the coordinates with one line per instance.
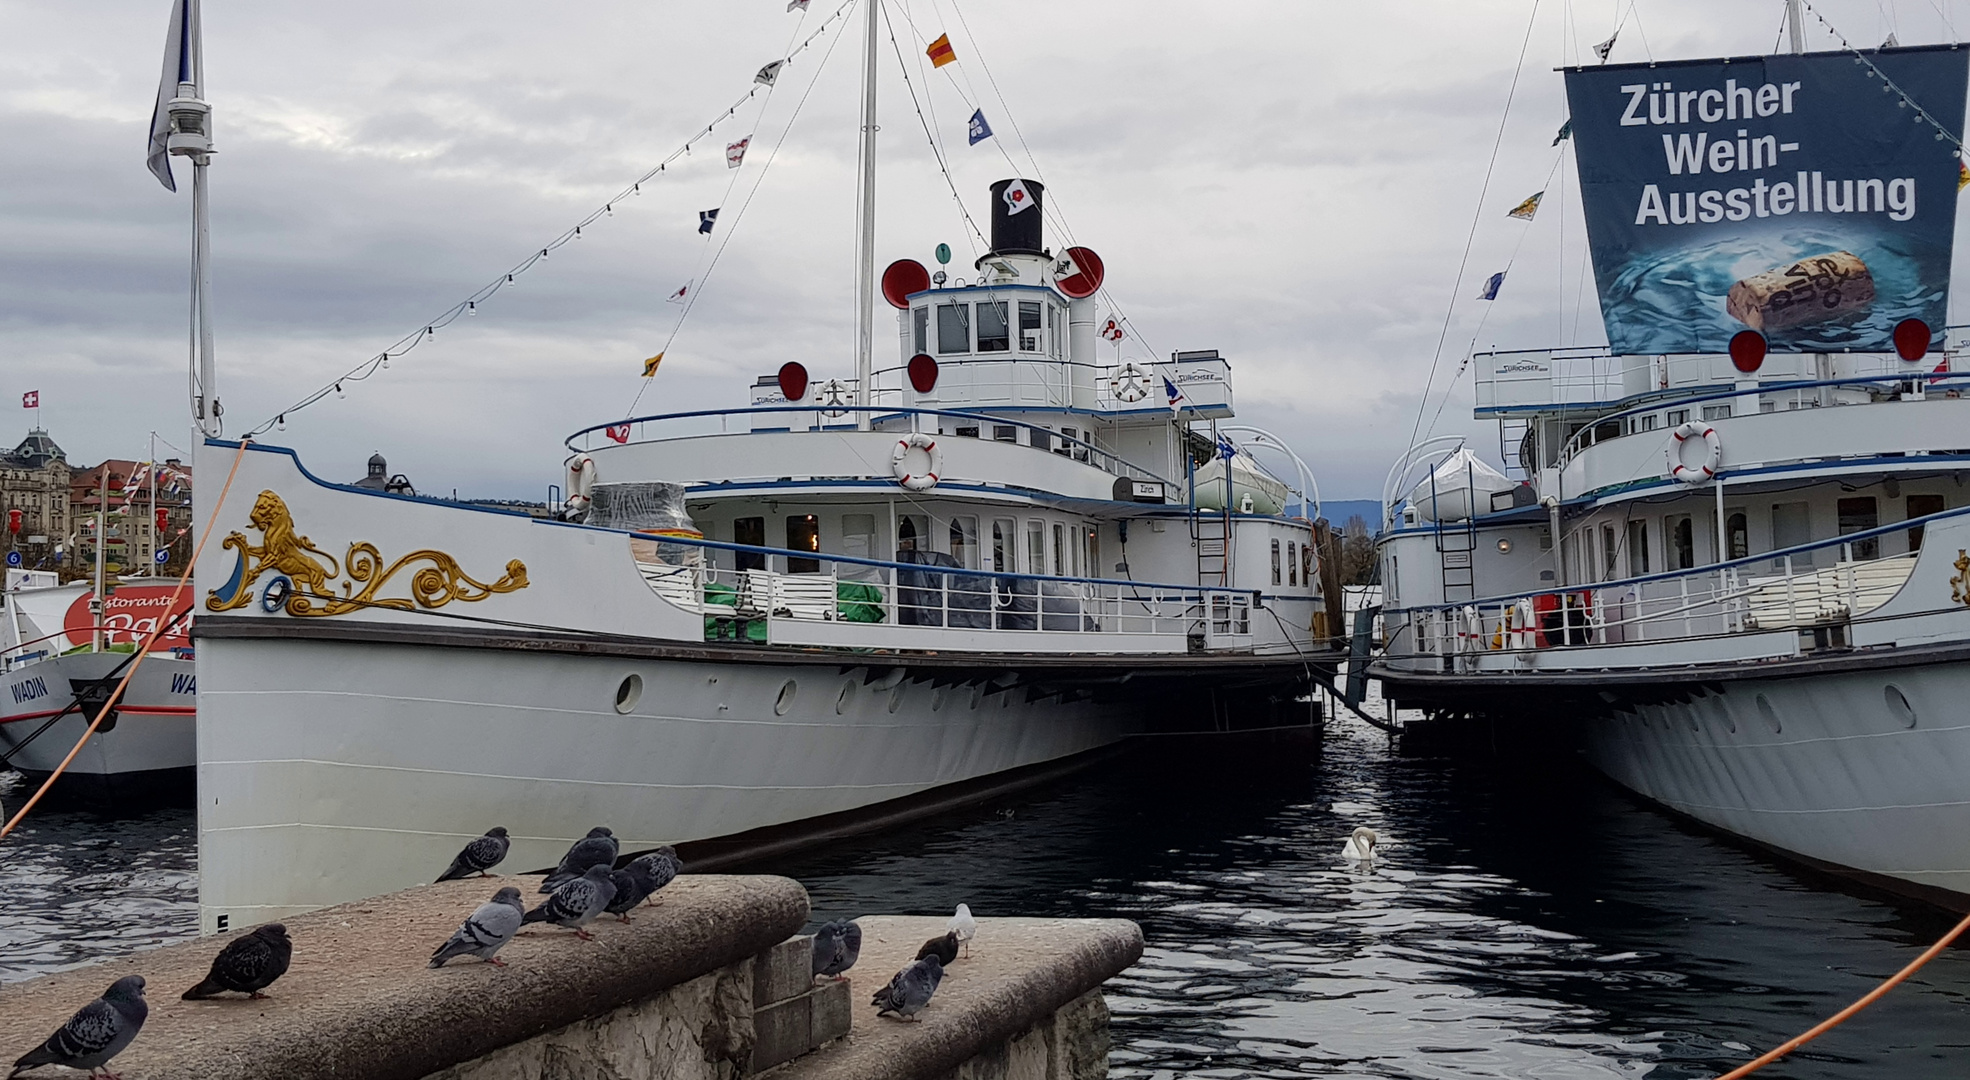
(1017, 232)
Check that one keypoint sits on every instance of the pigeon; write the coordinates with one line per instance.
(634, 884)
(664, 868)
(598, 848)
(248, 964)
(837, 945)
(97, 1032)
(1360, 846)
(479, 856)
(945, 948)
(485, 931)
(963, 925)
(910, 990)
(578, 902)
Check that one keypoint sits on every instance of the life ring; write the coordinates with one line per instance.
(1713, 453)
(581, 482)
(924, 481)
(1131, 383)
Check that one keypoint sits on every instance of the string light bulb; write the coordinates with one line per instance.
(338, 391)
(471, 307)
(577, 232)
(386, 361)
(280, 422)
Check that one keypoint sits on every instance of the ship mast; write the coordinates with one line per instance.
(865, 219)
(1795, 31)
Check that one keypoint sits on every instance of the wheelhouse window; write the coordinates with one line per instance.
(1053, 331)
(993, 335)
(1029, 326)
(1275, 561)
(1292, 564)
(803, 534)
(953, 328)
(920, 319)
(749, 530)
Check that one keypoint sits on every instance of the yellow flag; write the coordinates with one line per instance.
(1526, 209)
(650, 365)
(940, 51)
(1962, 176)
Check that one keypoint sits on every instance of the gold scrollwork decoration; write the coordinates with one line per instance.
(436, 578)
(1959, 586)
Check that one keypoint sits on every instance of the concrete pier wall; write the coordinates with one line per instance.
(710, 983)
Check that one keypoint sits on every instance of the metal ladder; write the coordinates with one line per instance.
(1210, 530)
(1511, 436)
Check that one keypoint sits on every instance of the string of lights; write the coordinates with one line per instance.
(470, 305)
(1922, 115)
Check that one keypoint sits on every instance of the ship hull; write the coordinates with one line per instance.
(147, 758)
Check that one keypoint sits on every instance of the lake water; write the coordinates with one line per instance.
(1529, 921)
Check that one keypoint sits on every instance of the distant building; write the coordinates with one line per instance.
(34, 479)
(379, 478)
(133, 535)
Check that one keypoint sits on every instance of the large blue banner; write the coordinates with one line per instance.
(1799, 196)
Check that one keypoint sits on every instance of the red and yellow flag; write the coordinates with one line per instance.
(940, 51)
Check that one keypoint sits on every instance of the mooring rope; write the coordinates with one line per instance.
(143, 648)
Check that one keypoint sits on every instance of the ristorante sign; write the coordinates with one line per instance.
(1808, 197)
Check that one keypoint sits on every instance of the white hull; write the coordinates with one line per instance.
(1846, 779)
(154, 730)
(381, 761)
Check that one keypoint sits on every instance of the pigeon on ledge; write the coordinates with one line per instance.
(479, 856)
(945, 948)
(837, 945)
(248, 964)
(486, 930)
(97, 1032)
(578, 902)
(910, 990)
(598, 848)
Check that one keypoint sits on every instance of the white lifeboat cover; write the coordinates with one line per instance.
(1447, 493)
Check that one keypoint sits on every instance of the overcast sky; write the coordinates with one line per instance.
(1291, 183)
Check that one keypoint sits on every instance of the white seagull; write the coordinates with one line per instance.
(963, 925)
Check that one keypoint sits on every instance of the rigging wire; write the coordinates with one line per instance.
(929, 130)
(1922, 115)
(1463, 264)
(470, 304)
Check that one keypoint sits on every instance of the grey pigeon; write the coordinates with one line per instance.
(664, 868)
(598, 848)
(486, 930)
(910, 990)
(479, 856)
(577, 903)
(634, 884)
(96, 1033)
(945, 948)
(248, 964)
(837, 945)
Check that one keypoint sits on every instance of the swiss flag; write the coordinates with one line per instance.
(617, 433)
(31, 399)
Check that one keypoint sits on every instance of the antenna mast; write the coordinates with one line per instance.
(1794, 28)
(865, 262)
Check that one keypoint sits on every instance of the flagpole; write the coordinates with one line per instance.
(153, 504)
(865, 264)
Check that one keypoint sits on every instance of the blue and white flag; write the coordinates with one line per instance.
(1491, 284)
(1171, 392)
(705, 220)
(182, 54)
(1226, 448)
(980, 130)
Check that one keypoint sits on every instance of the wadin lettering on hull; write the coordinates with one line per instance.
(305, 576)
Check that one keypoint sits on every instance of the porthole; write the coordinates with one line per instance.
(1769, 715)
(628, 693)
(1898, 706)
(785, 701)
(847, 692)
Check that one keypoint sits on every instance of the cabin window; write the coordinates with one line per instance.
(910, 530)
(993, 335)
(1645, 423)
(1036, 547)
(1004, 433)
(749, 530)
(1065, 448)
(803, 534)
(1059, 550)
(1638, 548)
(1676, 417)
(1093, 536)
(1040, 437)
(1306, 565)
(1679, 537)
(1921, 506)
(953, 328)
(1292, 563)
(1002, 541)
(1860, 514)
(1739, 532)
(1610, 550)
(1029, 326)
(964, 541)
(858, 538)
(1792, 526)
(1275, 562)
(921, 318)
(1717, 412)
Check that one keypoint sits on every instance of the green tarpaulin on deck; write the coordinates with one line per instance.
(855, 602)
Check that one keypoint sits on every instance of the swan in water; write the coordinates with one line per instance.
(1360, 846)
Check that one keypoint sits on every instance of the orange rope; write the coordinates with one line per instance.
(1847, 1013)
(142, 650)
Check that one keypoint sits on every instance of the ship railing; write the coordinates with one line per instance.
(1792, 589)
(842, 419)
(765, 595)
(1891, 385)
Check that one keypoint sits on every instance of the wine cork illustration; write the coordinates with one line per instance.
(1814, 289)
